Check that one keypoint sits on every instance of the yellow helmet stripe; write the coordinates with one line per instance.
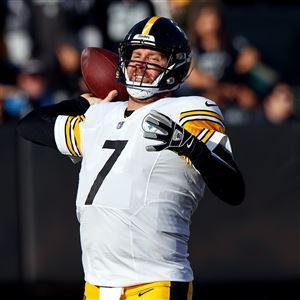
(149, 25)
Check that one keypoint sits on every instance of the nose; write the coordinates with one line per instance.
(138, 64)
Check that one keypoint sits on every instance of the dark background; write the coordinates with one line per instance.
(274, 31)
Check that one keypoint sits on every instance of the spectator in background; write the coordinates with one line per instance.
(179, 9)
(65, 77)
(162, 8)
(116, 17)
(278, 106)
(82, 22)
(32, 27)
(8, 70)
(16, 32)
(31, 91)
(221, 64)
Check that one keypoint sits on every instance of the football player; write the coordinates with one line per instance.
(145, 164)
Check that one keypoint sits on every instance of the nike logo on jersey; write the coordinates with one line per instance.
(142, 293)
(190, 144)
(210, 104)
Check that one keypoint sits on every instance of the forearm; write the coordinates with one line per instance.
(38, 125)
(220, 172)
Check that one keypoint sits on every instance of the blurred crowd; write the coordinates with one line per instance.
(41, 44)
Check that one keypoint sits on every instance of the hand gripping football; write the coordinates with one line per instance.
(98, 68)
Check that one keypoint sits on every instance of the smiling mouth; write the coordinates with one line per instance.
(138, 78)
(141, 78)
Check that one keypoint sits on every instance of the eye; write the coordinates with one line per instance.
(135, 56)
(154, 59)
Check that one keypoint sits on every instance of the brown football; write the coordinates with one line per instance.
(98, 68)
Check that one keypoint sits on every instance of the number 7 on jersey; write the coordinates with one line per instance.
(118, 146)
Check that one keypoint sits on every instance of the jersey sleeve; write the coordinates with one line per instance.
(207, 124)
(67, 135)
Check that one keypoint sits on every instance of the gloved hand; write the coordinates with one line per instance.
(172, 135)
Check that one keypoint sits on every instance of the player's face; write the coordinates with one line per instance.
(146, 65)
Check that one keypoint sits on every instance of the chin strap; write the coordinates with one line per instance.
(139, 93)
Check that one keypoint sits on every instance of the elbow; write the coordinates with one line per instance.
(230, 191)
(233, 199)
(236, 195)
(26, 128)
(237, 199)
(22, 129)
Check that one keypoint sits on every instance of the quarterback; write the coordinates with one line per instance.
(145, 164)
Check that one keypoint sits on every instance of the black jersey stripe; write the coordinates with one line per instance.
(201, 115)
(204, 119)
(207, 136)
(198, 112)
(68, 129)
(74, 141)
(200, 132)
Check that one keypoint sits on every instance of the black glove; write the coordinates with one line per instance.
(172, 135)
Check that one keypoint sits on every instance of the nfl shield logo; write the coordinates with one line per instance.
(120, 124)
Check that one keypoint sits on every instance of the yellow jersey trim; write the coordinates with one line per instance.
(207, 136)
(201, 113)
(77, 135)
(68, 136)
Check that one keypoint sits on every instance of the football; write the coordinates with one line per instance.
(98, 68)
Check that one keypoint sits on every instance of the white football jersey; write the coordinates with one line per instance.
(134, 206)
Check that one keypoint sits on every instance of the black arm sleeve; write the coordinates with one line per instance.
(219, 171)
(38, 125)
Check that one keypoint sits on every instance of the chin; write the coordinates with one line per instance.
(153, 98)
(146, 100)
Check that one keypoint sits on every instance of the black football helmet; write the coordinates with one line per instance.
(160, 34)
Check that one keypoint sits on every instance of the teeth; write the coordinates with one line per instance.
(138, 78)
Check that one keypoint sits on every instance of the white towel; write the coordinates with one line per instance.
(111, 293)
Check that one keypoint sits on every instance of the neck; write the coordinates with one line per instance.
(134, 103)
